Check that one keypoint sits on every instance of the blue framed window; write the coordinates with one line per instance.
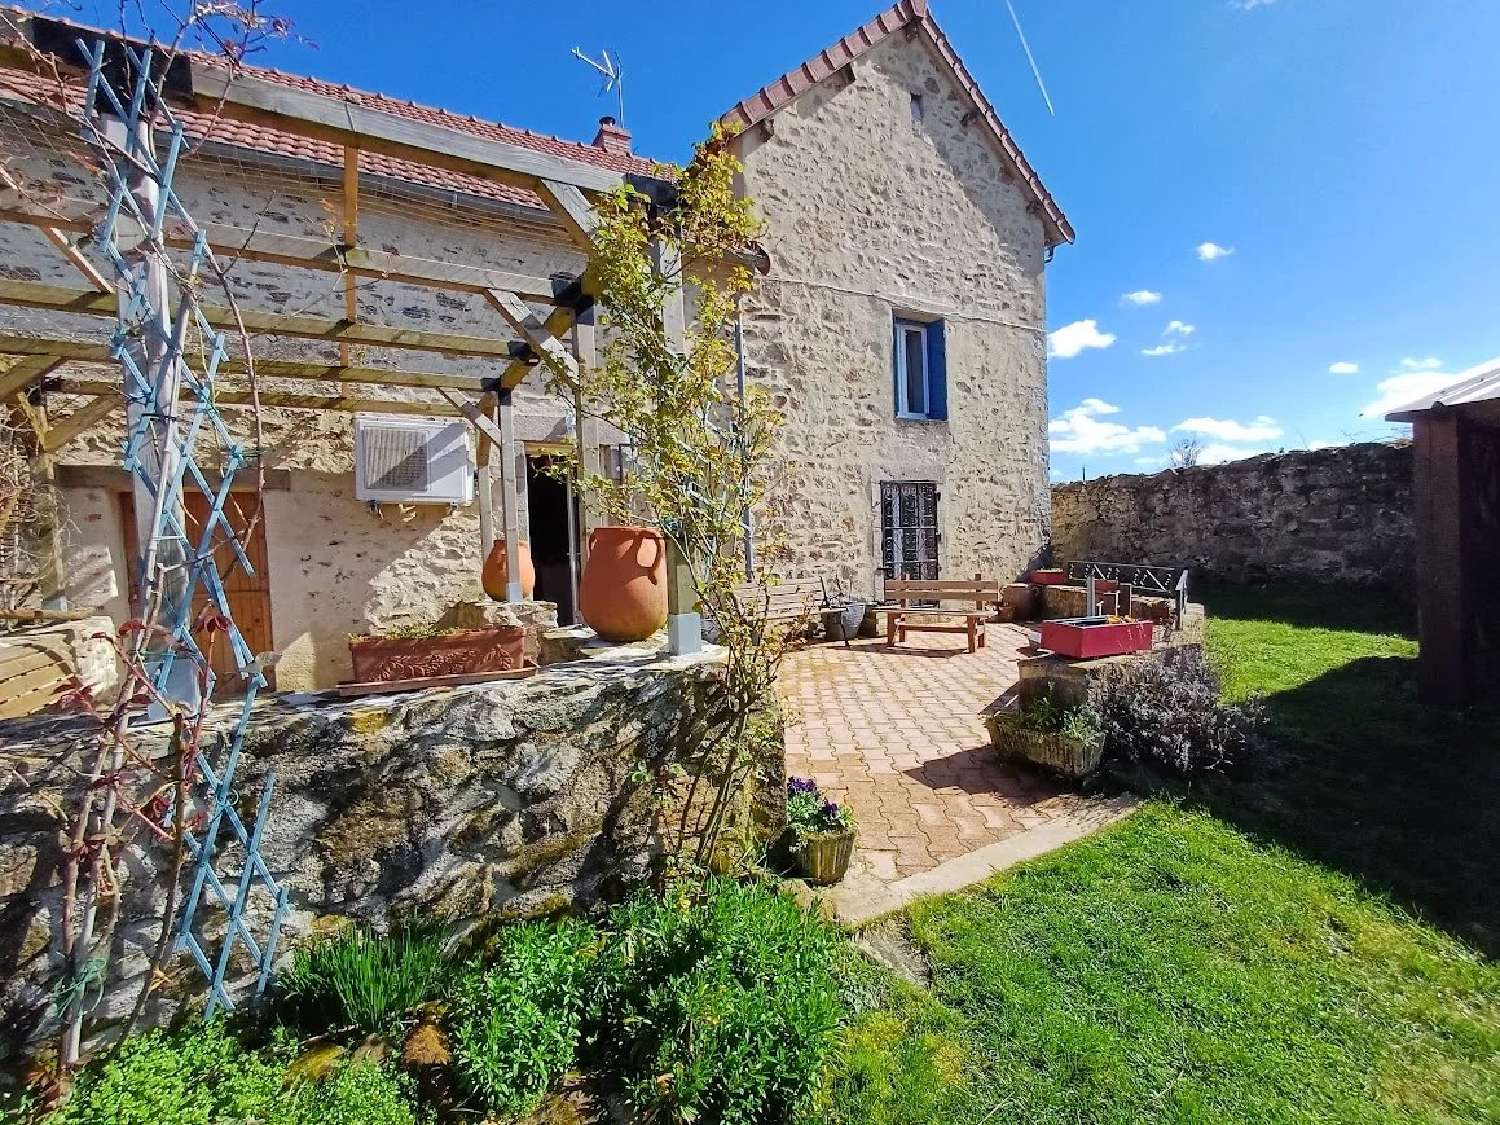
(919, 369)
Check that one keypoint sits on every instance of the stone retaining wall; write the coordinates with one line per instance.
(510, 798)
(1327, 515)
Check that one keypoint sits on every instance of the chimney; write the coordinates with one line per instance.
(612, 137)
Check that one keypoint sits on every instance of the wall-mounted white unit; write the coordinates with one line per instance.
(404, 460)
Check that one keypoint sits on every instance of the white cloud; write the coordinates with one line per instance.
(1343, 367)
(1261, 429)
(1142, 297)
(1431, 363)
(1417, 381)
(1250, 5)
(1098, 406)
(1071, 339)
(1079, 430)
(1179, 328)
(1171, 347)
(1209, 251)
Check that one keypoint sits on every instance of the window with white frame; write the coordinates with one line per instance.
(912, 382)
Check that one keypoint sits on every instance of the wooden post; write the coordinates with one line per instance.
(510, 497)
(1443, 613)
(350, 239)
(586, 427)
(684, 625)
(486, 481)
(164, 559)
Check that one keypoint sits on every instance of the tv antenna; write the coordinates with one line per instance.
(1025, 46)
(613, 72)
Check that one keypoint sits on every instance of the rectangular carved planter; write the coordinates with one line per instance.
(387, 659)
(1057, 753)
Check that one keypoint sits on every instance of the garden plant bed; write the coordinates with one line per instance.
(1057, 753)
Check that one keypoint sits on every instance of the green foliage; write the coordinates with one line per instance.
(1081, 724)
(517, 1022)
(718, 1008)
(202, 1076)
(361, 980)
(810, 813)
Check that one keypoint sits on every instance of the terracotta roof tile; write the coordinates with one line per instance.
(906, 13)
(259, 138)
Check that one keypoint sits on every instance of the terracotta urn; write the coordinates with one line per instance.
(623, 593)
(496, 575)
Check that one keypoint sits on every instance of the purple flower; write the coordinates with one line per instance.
(831, 810)
(801, 785)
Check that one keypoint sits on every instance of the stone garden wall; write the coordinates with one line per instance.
(505, 799)
(1341, 514)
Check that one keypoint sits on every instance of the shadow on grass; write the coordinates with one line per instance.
(1404, 797)
(1314, 606)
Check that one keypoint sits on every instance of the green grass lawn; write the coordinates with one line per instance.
(1310, 942)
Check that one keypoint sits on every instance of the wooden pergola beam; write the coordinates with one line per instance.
(543, 340)
(56, 298)
(24, 372)
(60, 431)
(52, 353)
(230, 243)
(287, 400)
(260, 101)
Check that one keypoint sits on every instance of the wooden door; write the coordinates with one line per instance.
(249, 596)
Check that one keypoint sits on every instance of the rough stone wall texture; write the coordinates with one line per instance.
(497, 800)
(871, 213)
(336, 567)
(1341, 514)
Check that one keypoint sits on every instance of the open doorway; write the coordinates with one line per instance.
(553, 511)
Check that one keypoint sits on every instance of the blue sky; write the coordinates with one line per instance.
(1341, 152)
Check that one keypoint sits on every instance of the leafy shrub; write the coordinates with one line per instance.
(362, 980)
(201, 1076)
(361, 1093)
(517, 1022)
(718, 1010)
(1168, 714)
(809, 812)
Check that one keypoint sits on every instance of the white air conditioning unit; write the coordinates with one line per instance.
(401, 460)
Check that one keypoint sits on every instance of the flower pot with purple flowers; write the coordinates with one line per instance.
(822, 832)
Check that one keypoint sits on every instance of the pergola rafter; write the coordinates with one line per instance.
(563, 186)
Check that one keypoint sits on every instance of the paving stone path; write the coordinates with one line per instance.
(899, 734)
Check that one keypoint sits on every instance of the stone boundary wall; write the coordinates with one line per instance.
(499, 800)
(1327, 515)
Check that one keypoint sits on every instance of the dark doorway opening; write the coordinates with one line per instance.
(553, 511)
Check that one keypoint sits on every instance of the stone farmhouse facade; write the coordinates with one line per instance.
(900, 330)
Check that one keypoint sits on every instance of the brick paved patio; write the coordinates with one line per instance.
(898, 734)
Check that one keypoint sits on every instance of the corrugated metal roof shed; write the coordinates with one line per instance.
(1484, 387)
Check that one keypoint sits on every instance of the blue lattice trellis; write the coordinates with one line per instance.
(162, 454)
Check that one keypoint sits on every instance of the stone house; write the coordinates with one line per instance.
(900, 329)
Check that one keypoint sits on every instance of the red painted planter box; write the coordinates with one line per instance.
(1086, 642)
(1048, 577)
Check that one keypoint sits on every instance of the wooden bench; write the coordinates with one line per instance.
(982, 593)
(795, 600)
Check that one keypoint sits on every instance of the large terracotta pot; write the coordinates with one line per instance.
(496, 575)
(623, 593)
